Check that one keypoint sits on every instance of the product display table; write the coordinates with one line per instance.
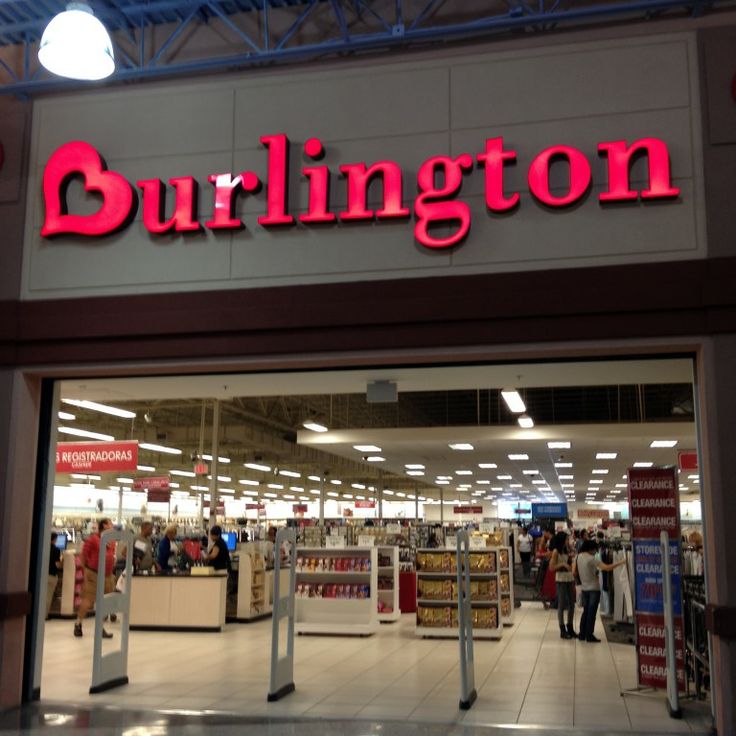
(178, 602)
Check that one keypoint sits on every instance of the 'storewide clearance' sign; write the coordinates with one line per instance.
(441, 218)
(96, 457)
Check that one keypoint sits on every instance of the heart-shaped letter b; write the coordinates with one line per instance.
(78, 157)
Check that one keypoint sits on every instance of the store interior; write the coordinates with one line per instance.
(376, 470)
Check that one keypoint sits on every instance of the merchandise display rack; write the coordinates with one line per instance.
(388, 597)
(253, 600)
(437, 593)
(333, 600)
(506, 585)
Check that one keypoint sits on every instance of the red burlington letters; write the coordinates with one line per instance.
(441, 219)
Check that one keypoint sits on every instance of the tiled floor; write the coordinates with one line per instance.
(530, 677)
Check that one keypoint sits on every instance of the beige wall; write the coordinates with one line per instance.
(407, 110)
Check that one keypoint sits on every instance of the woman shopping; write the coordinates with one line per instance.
(561, 564)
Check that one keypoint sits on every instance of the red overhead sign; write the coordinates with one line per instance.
(255, 507)
(467, 509)
(300, 508)
(440, 218)
(96, 457)
(687, 460)
(365, 504)
(158, 483)
(158, 495)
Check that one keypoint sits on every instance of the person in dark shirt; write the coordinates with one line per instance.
(54, 567)
(219, 555)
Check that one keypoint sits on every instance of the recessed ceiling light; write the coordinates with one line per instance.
(219, 459)
(334, 494)
(414, 466)
(367, 448)
(567, 485)
(483, 482)
(596, 481)
(313, 491)
(620, 485)
(643, 465)
(275, 486)
(66, 416)
(563, 465)
(663, 443)
(504, 477)
(600, 471)
(513, 400)
(376, 459)
(442, 482)
(290, 473)
(357, 486)
(519, 456)
(530, 472)
(606, 455)
(415, 472)
(315, 426)
(463, 472)
(559, 445)
(515, 485)
(388, 492)
(539, 482)
(496, 488)
(487, 466)
(461, 446)
(184, 473)
(566, 477)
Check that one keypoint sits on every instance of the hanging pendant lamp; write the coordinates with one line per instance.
(76, 45)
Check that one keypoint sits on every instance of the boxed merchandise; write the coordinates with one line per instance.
(505, 606)
(503, 559)
(505, 582)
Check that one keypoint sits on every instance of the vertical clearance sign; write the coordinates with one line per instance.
(655, 507)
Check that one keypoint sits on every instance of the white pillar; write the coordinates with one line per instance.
(215, 465)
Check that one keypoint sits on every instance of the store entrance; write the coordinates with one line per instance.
(376, 469)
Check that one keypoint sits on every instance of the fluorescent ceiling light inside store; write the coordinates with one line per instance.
(147, 468)
(315, 426)
(525, 421)
(518, 456)
(558, 445)
(290, 473)
(367, 448)
(219, 459)
(258, 466)
(487, 466)
(86, 433)
(513, 400)
(606, 455)
(66, 416)
(463, 446)
(102, 408)
(663, 443)
(376, 459)
(159, 448)
(183, 473)
(643, 465)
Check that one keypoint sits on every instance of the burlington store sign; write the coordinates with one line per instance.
(440, 217)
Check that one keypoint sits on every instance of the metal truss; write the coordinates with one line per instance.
(169, 38)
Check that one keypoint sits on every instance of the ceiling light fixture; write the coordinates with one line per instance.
(76, 45)
(290, 473)
(513, 400)
(414, 466)
(643, 465)
(258, 466)
(367, 448)
(66, 416)
(663, 443)
(159, 448)
(464, 446)
(314, 425)
(86, 433)
(519, 456)
(102, 408)
(559, 445)
(487, 466)
(525, 421)
(376, 459)
(219, 459)
(606, 455)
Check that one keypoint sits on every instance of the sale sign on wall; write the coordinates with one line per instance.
(96, 457)
(655, 507)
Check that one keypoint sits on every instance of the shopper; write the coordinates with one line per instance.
(143, 548)
(587, 567)
(561, 564)
(524, 546)
(54, 567)
(219, 555)
(167, 550)
(90, 561)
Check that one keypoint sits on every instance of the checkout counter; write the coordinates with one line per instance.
(179, 602)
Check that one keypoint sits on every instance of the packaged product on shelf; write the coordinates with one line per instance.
(331, 564)
(503, 559)
(505, 606)
(505, 583)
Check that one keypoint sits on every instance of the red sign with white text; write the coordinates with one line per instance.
(441, 219)
(365, 504)
(467, 509)
(157, 483)
(96, 457)
(255, 507)
(650, 651)
(654, 503)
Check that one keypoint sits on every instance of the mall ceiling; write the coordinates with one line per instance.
(261, 423)
(154, 39)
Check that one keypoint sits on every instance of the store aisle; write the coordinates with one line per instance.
(530, 677)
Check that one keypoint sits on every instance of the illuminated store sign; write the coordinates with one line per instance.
(441, 218)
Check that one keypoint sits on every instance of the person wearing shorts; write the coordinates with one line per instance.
(90, 561)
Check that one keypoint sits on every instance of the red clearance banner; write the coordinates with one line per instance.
(655, 507)
(365, 504)
(156, 483)
(96, 457)
(467, 509)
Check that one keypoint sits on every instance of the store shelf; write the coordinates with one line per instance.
(332, 615)
(389, 597)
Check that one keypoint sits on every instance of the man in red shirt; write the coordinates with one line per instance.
(90, 562)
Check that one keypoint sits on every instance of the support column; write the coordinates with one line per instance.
(201, 452)
(322, 494)
(380, 487)
(416, 502)
(442, 506)
(215, 464)
(717, 403)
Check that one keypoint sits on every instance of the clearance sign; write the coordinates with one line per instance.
(655, 507)
(441, 219)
